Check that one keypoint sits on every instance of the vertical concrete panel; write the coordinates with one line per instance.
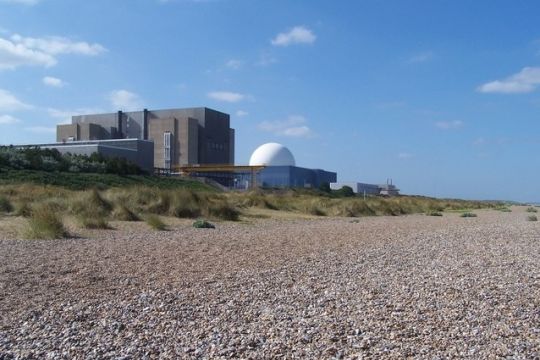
(156, 129)
(64, 132)
(193, 145)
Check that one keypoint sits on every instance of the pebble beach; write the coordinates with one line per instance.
(412, 286)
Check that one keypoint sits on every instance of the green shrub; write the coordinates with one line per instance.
(155, 222)
(468, 214)
(532, 209)
(5, 205)
(93, 222)
(203, 224)
(325, 187)
(345, 191)
(44, 223)
(122, 213)
(504, 209)
(532, 218)
(434, 213)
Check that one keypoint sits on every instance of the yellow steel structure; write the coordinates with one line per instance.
(188, 169)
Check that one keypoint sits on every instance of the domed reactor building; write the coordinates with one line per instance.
(280, 169)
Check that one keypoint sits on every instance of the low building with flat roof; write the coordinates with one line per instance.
(139, 152)
(368, 189)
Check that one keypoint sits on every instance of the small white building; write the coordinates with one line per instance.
(368, 189)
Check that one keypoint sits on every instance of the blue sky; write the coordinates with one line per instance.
(442, 96)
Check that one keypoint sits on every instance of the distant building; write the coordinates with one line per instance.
(281, 169)
(180, 136)
(387, 189)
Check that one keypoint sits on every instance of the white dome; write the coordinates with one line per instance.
(272, 154)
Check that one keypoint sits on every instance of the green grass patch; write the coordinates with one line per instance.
(203, 224)
(468, 215)
(434, 213)
(531, 209)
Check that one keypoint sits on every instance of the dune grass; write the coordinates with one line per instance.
(95, 208)
(44, 223)
(90, 222)
(123, 213)
(5, 205)
(155, 222)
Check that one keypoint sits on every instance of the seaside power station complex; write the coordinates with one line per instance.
(192, 141)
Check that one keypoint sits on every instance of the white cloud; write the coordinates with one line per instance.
(18, 50)
(525, 81)
(405, 155)
(8, 102)
(125, 100)
(52, 81)
(421, 57)
(22, 2)
(234, 64)
(56, 45)
(226, 96)
(297, 35)
(242, 113)
(293, 126)
(13, 55)
(8, 119)
(449, 125)
(41, 129)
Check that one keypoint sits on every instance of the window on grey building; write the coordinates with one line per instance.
(167, 149)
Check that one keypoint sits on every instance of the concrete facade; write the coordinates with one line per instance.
(139, 152)
(197, 135)
(294, 176)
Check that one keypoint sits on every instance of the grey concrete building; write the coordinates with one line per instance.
(139, 152)
(180, 136)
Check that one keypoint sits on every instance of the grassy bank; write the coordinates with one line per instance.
(82, 181)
